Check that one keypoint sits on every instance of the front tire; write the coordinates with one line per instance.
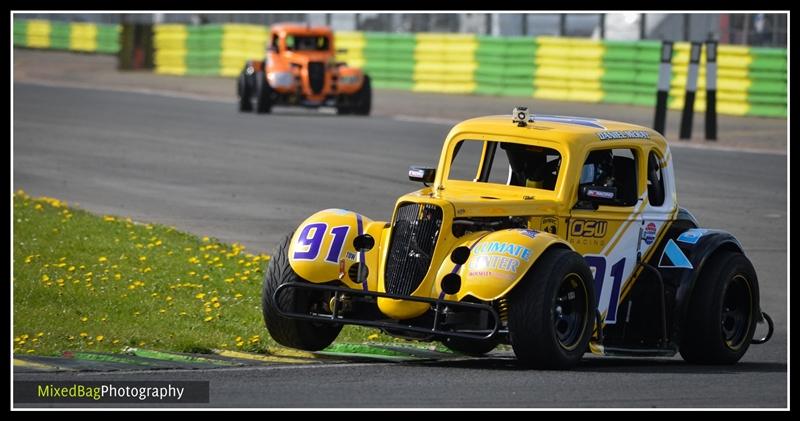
(263, 94)
(244, 93)
(293, 333)
(363, 98)
(722, 311)
(552, 311)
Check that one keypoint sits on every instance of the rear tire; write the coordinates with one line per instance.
(722, 312)
(263, 94)
(552, 311)
(472, 347)
(293, 333)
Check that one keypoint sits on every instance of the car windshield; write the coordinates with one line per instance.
(306, 43)
(507, 163)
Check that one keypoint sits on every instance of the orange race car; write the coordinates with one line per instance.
(301, 69)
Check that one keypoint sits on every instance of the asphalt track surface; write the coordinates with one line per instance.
(201, 167)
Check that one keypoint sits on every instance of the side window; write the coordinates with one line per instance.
(466, 157)
(274, 45)
(612, 168)
(655, 180)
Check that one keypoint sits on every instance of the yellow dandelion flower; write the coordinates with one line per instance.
(45, 278)
(38, 206)
(240, 344)
(200, 295)
(102, 259)
(99, 338)
(115, 341)
(217, 305)
(229, 280)
(30, 351)
(208, 318)
(183, 313)
(142, 258)
(237, 296)
(168, 298)
(40, 334)
(71, 268)
(373, 336)
(83, 334)
(162, 311)
(84, 319)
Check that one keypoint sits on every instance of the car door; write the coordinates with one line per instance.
(607, 235)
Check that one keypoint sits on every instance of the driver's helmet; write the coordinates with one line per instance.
(598, 169)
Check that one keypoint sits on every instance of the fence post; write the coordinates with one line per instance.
(664, 78)
(711, 90)
(691, 88)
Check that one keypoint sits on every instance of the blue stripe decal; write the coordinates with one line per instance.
(361, 258)
(579, 121)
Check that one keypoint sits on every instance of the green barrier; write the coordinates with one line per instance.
(20, 32)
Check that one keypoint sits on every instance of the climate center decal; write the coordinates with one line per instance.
(497, 255)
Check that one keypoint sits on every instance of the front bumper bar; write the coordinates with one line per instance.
(438, 327)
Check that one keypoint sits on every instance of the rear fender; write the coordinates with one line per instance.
(323, 244)
(497, 262)
(698, 245)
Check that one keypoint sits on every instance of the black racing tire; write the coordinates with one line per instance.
(263, 94)
(551, 314)
(363, 98)
(244, 94)
(344, 109)
(471, 347)
(293, 333)
(722, 313)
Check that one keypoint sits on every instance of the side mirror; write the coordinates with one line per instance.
(598, 195)
(421, 174)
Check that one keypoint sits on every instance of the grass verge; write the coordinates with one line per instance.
(84, 282)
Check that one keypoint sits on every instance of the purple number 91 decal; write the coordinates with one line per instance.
(311, 238)
(310, 241)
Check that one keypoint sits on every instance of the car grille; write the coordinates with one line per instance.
(316, 76)
(414, 234)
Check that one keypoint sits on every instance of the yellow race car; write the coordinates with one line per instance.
(557, 235)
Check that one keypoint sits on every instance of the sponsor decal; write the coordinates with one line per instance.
(673, 257)
(497, 255)
(416, 173)
(650, 233)
(600, 193)
(503, 248)
(506, 264)
(351, 256)
(691, 236)
(623, 134)
(528, 232)
(588, 228)
(549, 224)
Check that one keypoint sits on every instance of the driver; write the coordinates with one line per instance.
(598, 170)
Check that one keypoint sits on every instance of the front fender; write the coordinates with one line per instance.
(323, 244)
(347, 73)
(497, 261)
